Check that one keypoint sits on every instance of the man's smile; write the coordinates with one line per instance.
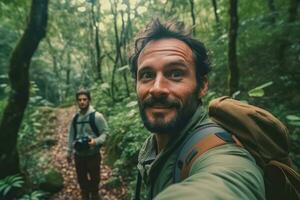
(160, 108)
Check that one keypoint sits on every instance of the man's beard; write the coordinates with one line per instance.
(84, 109)
(184, 112)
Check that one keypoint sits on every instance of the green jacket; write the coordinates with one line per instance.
(225, 172)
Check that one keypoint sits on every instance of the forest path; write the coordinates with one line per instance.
(71, 189)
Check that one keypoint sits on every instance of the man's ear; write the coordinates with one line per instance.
(204, 87)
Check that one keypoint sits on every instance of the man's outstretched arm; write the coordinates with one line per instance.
(225, 172)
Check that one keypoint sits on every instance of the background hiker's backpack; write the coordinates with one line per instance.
(91, 121)
(256, 130)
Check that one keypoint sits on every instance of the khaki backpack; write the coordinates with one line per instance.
(252, 128)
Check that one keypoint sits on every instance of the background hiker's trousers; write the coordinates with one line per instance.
(88, 172)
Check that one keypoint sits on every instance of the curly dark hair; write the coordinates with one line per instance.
(83, 91)
(156, 30)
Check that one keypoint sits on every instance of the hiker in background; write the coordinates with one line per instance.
(87, 133)
(170, 69)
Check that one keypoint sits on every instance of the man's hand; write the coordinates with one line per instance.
(92, 142)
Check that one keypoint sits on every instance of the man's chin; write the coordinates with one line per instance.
(161, 127)
(158, 129)
(83, 108)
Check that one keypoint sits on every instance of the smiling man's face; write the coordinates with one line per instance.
(83, 102)
(166, 85)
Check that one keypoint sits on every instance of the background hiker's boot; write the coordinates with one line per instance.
(95, 196)
(84, 195)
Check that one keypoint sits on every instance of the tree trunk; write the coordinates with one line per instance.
(123, 62)
(193, 17)
(68, 72)
(284, 42)
(273, 13)
(293, 10)
(91, 47)
(19, 81)
(233, 78)
(215, 6)
(118, 49)
(97, 43)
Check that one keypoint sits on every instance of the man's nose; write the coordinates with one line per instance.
(159, 87)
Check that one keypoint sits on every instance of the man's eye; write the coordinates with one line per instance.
(146, 75)
(176, 74)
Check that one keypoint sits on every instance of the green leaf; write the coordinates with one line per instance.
(104, 86)
(131, 104)
(258, 91)
(37, 124)
(2, 187)
(294, 123)
(18, 184)
(4, 85)
(125, 67)
(6, 190)
(15, 178)
(25, 197)
(293, 117)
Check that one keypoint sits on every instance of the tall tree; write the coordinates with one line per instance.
(284, 42)
(123, 41)
(273, 12)
(99, 57)
(19, 82)
(293, 10)
(215, 6)
(118, 48)
(233, 76)
(193, 16)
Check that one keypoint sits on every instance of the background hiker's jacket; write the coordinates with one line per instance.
(224, 172)
(84, 129)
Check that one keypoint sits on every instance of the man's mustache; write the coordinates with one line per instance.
(161, 101)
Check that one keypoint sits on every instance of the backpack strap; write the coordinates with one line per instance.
(74, 124)
(201, 140)
(137, 195)
(93, 123)
(283, 182)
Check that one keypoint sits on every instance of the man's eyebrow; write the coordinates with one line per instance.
(144, 68)
(177, 63)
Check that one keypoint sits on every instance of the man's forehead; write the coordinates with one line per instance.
(82, 96)
(165, 45)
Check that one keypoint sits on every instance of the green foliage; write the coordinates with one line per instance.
(126, 135)
(259, 91)
(35, 195)
(10, 182)
(36, 130)
(52, 181)
(293, 120)
(2, 106)
(113, 182)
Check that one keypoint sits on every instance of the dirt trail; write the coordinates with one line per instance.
(58, 152)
